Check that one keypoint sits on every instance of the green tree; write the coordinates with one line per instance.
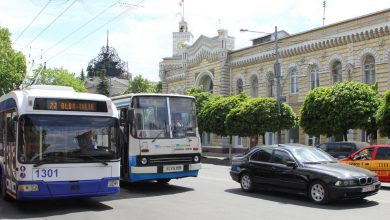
(383, 115)
(201, 98)
(139, 85)
(82, 75)
(335, 110)
(215, 111)
(158, 87)
(12, 64)
(255, 116)
(103, 86)
(58, 76)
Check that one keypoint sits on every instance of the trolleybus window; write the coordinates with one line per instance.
(68, 138)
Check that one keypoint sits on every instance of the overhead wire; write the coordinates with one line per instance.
(79, 28)
(32, 21)
(51, 23)
(93, 31)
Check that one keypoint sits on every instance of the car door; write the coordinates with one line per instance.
(259, 164)
(362, 158)
(283, 175)
(381, 163)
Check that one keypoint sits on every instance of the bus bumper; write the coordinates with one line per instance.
(67, 189)
(157, 172)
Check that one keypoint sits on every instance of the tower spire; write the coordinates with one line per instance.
(107, 39)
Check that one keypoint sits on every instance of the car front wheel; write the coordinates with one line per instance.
(318, 192)
(246, 182)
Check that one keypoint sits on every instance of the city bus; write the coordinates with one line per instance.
(58, 143)
(160, 137)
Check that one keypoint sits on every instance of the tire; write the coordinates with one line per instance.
(246, 182)
(2, 189)
(163, 181)
(318, 192)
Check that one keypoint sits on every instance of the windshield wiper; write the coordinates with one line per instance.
(94, 159)
(46, 160)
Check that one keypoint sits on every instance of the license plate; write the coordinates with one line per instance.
(173, 168)
(368, 189)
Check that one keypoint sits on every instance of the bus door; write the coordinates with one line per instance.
(124, 142)
(10, 151)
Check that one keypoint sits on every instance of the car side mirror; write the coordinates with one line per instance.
(291, 164)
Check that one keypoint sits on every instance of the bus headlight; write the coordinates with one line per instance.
(144, 161)
(113, 183)
(196, 158)
(28, 188)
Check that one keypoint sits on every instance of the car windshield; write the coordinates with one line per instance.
(311, 155)
(61, 139)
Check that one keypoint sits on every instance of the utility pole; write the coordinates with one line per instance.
(277, 75)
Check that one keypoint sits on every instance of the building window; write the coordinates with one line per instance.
(238, 141)
(239, 86)
(207, 84)
(254, 86)
(294, 81)
(369, 70)
(314, 77)
(206, 139)
(313, 140)
(269, 138)
(270, 84)
(337, 72)
(293, 135)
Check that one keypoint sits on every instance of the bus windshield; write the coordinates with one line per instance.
(64, 139)
(164, 117)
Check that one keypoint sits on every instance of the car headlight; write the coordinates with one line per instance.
(144, 161)
(375, 179)
(346, 183)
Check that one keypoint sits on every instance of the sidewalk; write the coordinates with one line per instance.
(216, 158)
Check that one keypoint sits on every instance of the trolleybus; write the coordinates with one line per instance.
(58, 143)
(160, 136)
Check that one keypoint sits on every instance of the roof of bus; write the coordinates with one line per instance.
(60, 92)
(149, 94)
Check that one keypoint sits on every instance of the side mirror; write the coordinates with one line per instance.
(130, 115)
(291, 164)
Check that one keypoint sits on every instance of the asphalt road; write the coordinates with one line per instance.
(212, 195)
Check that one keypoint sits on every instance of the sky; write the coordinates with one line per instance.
(70, 33)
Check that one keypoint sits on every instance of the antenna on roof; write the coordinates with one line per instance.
(323, 18)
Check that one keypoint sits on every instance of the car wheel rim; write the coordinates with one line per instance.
(246, 182)
(317, 192)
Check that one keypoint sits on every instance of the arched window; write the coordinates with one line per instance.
(239, 86)
(369, 70)
(206, 83)
(314, 77)
(270, 84)
(254, 86)
(294, 81)
(337, 72)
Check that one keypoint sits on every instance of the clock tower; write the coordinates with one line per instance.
(181, 38)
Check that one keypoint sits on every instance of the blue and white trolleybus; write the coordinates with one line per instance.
(58, 143)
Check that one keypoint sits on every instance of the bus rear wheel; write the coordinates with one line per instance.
(163, 181)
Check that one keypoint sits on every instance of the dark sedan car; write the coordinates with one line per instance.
(304, 170)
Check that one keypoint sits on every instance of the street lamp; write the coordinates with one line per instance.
(277, 74)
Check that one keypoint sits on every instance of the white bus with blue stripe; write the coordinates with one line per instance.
(160, 139)
(58, 143)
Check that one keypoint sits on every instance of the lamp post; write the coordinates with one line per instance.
(277, 74)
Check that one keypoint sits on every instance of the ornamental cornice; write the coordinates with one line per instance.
(175, 77)
(340, 39)
(205, 48)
